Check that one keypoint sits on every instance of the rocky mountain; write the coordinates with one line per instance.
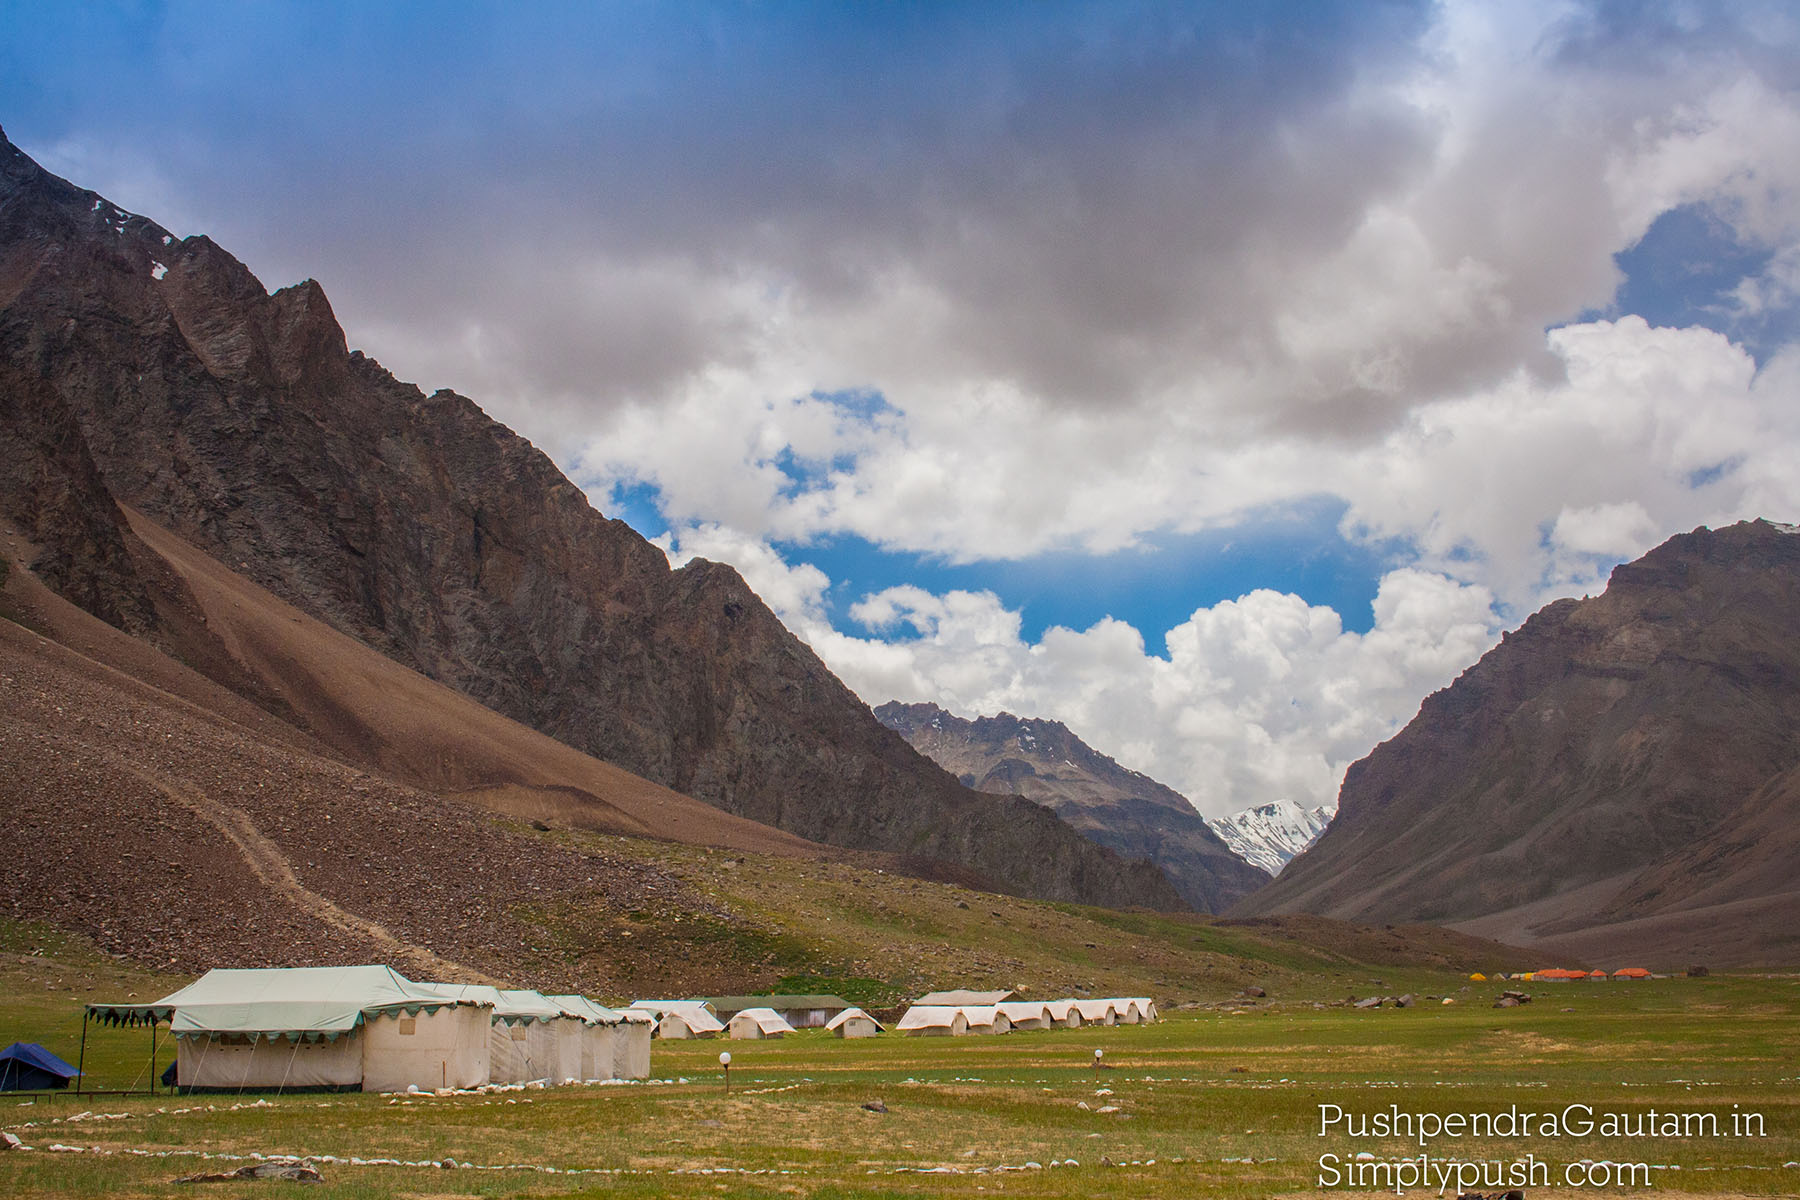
(1270, 835)
(1115, 807)
(1620, 776)
(143, 370)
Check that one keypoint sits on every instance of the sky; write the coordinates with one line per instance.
(1219, 379)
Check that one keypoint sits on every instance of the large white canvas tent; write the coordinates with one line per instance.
(1028, 1015)
(614, 1044)
(680, 1018)
(758, 1023)
(854, 1023)
(933, 1020)
(530, 1037)
(1066, 1014)
(366, 1027)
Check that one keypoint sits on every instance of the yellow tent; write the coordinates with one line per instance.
(1478, 977)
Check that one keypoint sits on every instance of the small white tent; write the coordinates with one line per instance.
(854, 1023)
(680, 1018)
(365, 1027)
(1027, 1015)
(933, 1020)
(755, 1023)
(1137, 1008)
(986, 1019)
(1098, 1012)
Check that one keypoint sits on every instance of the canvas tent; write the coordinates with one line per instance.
(755, 1023)
(800, 1011)
(1025, 1015)
(680, 1018)
(529, 1036)
(616, 1042)
(986, 1018)
(366, 1027)
(1134, 1009)
(28, 1067)
(1097, 1012)
(1066, 1014)
(854, 1023)
(933, 1020)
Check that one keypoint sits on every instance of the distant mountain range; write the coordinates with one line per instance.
(1116, 807)
(1620, 778)
(151, 386)
(1269, 835)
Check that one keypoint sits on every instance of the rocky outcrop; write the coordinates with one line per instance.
(1614, 760)
(1115, 807)
(239, 420)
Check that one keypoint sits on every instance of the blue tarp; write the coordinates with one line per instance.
(28, 1067)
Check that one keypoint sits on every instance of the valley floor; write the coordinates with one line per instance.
(1213, 1101)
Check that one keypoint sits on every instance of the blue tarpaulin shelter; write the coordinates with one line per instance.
(28, 1067)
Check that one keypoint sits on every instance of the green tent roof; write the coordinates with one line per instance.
(293, 1002)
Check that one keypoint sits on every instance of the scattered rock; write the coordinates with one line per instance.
(1370, 1002)
(10, 1141)
(1253, 990)
(299, 1172)
(1405, 1001)
(876, 1106)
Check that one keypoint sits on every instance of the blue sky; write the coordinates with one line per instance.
(1217, 378)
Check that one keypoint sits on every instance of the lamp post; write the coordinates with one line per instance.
(1098, 1055)
(725, 1062)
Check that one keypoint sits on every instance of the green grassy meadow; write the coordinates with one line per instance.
(1211, 1101)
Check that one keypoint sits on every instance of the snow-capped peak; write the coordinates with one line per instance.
(1270, 835)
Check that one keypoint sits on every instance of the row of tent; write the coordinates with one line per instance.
(946, 1020)
(696, 1019)
(1558, 975)
(371, 1028)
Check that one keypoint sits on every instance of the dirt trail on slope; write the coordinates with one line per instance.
(267, 862)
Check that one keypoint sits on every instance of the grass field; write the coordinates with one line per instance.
(1209, 1102)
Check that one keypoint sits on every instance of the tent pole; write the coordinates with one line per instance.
(153, 1054)
(81, 1062)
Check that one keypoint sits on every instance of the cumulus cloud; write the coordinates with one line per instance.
(982, 285)
(1252, 699)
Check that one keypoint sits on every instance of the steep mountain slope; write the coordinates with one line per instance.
(159, 373)
(1115, 807)
(1620, 772)
(1270, 835)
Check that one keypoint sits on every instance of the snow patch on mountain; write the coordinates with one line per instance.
(1270, 835)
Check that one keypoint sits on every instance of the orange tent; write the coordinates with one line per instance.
(1631, 973)
(1596, 974)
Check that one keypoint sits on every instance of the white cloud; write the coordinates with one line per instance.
(1254, 699)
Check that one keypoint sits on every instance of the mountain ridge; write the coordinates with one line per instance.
(239, 420)
(1124, 810)
(1613, 771)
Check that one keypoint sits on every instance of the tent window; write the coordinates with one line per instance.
(409, 1025)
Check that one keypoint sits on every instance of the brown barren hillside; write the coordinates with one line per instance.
(1616, 779)
(179, 826)
(157, 372)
